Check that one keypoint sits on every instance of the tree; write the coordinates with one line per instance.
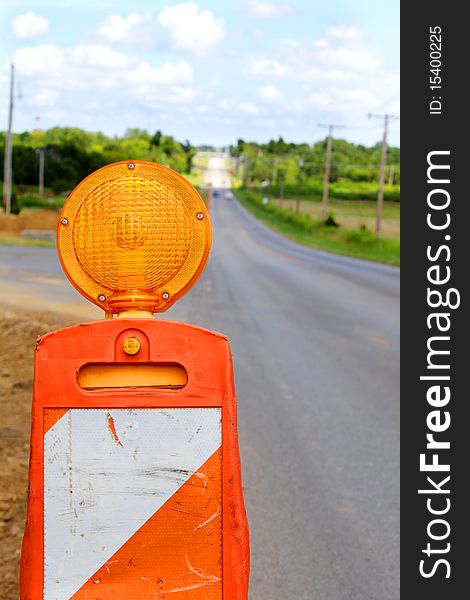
(156, 139)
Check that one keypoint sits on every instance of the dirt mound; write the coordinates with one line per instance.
(18, 334)
(34, 219)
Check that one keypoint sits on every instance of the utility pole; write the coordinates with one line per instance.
(326, 180)
(7, 169)
(245, 161)
(383, 163)
(299, 183)
(281, 174)
(40, 153)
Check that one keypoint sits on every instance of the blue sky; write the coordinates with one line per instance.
(208, 71)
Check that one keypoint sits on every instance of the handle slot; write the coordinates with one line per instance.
(96, 377)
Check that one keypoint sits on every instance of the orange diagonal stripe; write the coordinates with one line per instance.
(51, 416)
(176, 554)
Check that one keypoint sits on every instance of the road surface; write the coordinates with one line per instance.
(316, 348)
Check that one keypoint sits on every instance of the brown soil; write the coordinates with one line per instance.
(37, 219)
(18, 334)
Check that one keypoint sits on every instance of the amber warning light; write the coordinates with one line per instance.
(134, 235)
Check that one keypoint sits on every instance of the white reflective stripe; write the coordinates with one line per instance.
(105, 474)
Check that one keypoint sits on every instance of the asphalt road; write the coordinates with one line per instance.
(315, 339)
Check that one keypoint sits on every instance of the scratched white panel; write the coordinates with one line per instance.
(105, 474)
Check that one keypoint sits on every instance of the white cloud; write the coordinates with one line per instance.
(96, 55)
(392, 80)
(109, 83)
(249, 107)
(46, 98)
(90, 84)
(345, 101)
(346, 33)
(342, 57)
(321, 100)
(180, 98)
(338, 76)
(339, 56)
(51, 62)
(259, 8)
(119, 29)
(266, 67)
(169, 74)
(227, 104)
(29, 25)
(185, 94)
(192, 29)
(364, 97)
(92, 69)
(268, 123)
(270, 94)
(393, 108)
(42, 59)
(96, 63)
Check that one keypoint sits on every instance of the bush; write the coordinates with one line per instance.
(330, 221)
(345, 189)
(348, 190)
(31, 200)
(360, 175)
(360, 236)
(300, 220)
(15, 205)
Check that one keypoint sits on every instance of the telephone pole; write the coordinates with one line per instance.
(383, 163)
(246, 165)
(7, 169)
(326, 180)
(300, 164)
(40, 153)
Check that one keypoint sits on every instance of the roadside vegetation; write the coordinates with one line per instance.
(72, 153)
(282, 185)
(290, 170)
(9, 240)
(324, 235)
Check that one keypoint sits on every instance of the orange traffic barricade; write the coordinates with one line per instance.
(134, 483)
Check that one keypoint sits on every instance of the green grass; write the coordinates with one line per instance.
(195, 178)
(340, 190)
(200, 161)
(18, 241)
(33, 200)
(350, 214)
(359, 243)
